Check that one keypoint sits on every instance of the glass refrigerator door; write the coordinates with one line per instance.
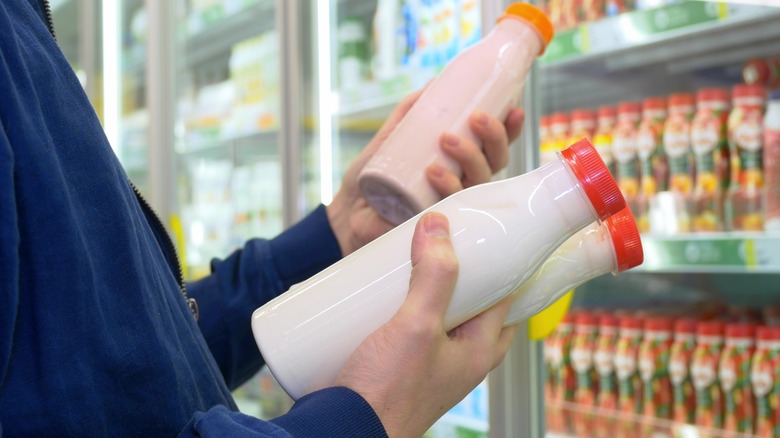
(676, 94)
(360, 59)
(228, 152)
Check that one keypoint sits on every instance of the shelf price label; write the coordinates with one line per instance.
(567, 44)
(731, 253)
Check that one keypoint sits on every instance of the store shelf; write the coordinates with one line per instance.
(261, 143)
(217, 39)
(673, 48)
(712, 253)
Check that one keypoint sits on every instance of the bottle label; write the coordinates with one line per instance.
(709, 398)
(765, 365)
(683, 392)
(772, 174)
(677, 146)
(738, 403)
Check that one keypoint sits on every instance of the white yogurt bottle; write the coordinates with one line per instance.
(501, 232)
(600, 248)
(488, 77)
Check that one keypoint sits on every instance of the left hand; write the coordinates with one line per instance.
(355, 223)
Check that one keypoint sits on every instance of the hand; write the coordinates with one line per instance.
(355, 223)
(411, 371)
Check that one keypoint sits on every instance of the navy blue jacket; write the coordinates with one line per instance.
(95, 336)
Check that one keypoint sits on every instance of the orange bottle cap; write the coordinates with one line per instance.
(535, 17)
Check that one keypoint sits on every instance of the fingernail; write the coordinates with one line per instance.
(481, 118)
(436, 225)
(451, 140)
(436, 170)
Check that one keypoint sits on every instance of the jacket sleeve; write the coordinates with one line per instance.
(332, 412)
(249, 278)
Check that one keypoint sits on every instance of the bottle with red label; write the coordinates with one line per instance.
(654, 367)
(762, 71)
(677, 142)
(602, 138)
(745, 137)
(711, 158)
(654, 165)
(557, 138)
(624, 149)
(765, 381)
(704, 373)
(680, 354)
(604, 360)
(627, 372)
(734, 375)
(582, 348)
(772, 162)
(583, 125)
(564, 382)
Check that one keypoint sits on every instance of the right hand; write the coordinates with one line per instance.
(411, 371)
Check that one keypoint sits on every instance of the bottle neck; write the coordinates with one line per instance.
(518, 29)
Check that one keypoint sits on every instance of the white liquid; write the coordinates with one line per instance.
(501, 232)
(584, 256)
(489, 77)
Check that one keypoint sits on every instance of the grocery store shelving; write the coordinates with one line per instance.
(662, 50)
(262, 143)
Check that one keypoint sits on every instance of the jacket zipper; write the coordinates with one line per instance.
(150, 214)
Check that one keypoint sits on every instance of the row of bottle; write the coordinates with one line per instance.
(687, 162)
(566, 14)
(631, 376)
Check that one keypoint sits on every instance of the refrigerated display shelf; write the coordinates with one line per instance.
(217, 40)
(712, 253)
(261, 143)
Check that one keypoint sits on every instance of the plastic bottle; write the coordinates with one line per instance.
(681, 351)
(624, 149)
(602, 138)
(604, 360)
(583, 124)
(734, 374)
(763, 378)
(556, 138)
(654, 369)
(704, 372)
(628, 378)
(677, 143)
(582, 348)
(600, 248)
(563, 379)
(772, 163)
(501, 232)
(745, 125)
(650, 149)
(488, 77)
(711, 158)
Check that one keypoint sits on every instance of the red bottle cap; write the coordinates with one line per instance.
(710, 328)
(607, 111)
(545, 120)
(628, 107)
(659, 324)
(740, 330)
(608, 320)
(625, 239)
(685, 325)
(585, 319)
(768, 333)
(712, 95)
(559, 119)
(681, 99)
(746, 90)
(653, 104)
(597, 183)
(582, 115)
(630, 322)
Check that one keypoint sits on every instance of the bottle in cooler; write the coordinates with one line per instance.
(612, 246)
(582, 348)
(711, 159)
(563, 379)
(557, 138)
(680, 354)
(704, 373)
(677, 143)
(602, 138)
(583, 124)
(745, 137)
(772, 162)
(627, 372)
(625, 152)
(764, 380)
(654, 164)
(762, 71)
(604, 360)
(501, 232)
(488, 76)
(544, 136)
(654, 368)
(734, 374)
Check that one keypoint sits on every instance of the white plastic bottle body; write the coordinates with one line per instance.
(586, 255)
(501, 232)
(489, 77)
